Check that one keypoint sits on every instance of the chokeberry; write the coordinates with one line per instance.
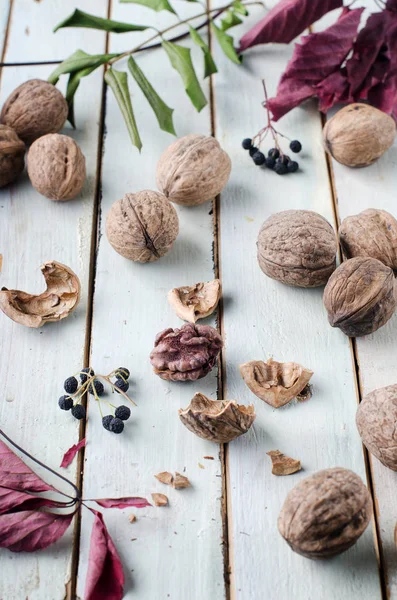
(280, 168)
(270, 162)
(246, 143)
(65, 402)
(295, 146)
(284, 159)
(78, 411)
(98, 385)
(116, 425)
(123, 413)
(122, 373)
(258, 158)
(71, 384)
(252, 151)
(274, 153)
(292, 166)
(85, 373)
(121, 384)
(106, 421)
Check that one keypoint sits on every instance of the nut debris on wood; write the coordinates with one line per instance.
(132, 518)
(283, 465)
(159, 499)
(195, 302)
(178, 481)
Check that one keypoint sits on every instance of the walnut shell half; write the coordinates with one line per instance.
(325, 514)
(275, 383)
(57, 302)
(219, 421)
(12, 155)
(195, 302)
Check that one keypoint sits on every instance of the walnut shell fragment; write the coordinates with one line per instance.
(56, 303)
(178, 482)
(195, 302)
(165, 477)
(275, 383)
(325, 514)
(160, 499)
(283, 465)
(219, 421)
(12, 155)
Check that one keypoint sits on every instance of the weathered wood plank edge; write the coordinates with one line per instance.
(7, 29)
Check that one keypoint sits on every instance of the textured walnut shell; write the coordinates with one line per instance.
(360, 296)
(283, 465)
(12, 155)
(56, 167)
(376, 423)
(219, 421)
(195, 302)
(185, 354)
(35, 108)
(57, 302)
(297, 247)
(358, 135)
(371, 233)
(275, 383)
(325, 514)
(142, 226)
(192, 170)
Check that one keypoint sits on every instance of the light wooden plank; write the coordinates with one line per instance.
(178, 550)
(265, 318)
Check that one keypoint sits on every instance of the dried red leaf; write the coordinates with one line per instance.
(286, 21)
(71, 453)
(13, 501)
(105, 577)
(30, 530)
(123, 502)
(18, 476)
(391, 5)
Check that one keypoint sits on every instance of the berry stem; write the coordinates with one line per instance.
(107, 378)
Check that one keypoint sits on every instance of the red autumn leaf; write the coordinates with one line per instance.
(105, 577)
(30, 530)
(391, 5)
(71, 453)
(286, 21)
(16, 475)
(123, 502)
(13, 500)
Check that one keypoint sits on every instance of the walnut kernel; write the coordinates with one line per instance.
(12, 155)
(195, 302)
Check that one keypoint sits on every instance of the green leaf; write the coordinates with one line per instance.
(117, 81)
(77, 61)
(160, 108)
(83, 19)
(230, 20)
(240, 8)
(226, 43)
(73, 84)
(181, 60)
(209, 64)
(156, 5)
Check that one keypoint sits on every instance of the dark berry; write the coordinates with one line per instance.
(284, 159)
(71, 384)
(65, 402)
(106, 421)
(252, 151)
(123, 413)
(258, 158)
(295, 146)
(270, 162)
(116, 425)
(78, 411)
(98, 385)
(122, 372)
(85, 373)
(292, 166)
(274, 153)
(122, 385)
(247, 143)
(280, 168)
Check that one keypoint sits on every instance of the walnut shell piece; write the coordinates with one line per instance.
(275, 383)
(358, 134)
(142, 226)
(283, 465)
(360, 296)
(12, 155)
(197, 301)
(56, 167)
(297, 247)
(159, 499)
(325, 514)
(371, 233)
(219, 421)
(376, 419)
(185, 354)
(56, 303)
(192, 170)
(35, 108)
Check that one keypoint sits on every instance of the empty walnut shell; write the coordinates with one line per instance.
(197, 301)
(297, 247)
(219, 421)
(275, 383)
(57, 302)
(325, 514)
(376, 423)
(192, 170)
(35, 108)
(142, 226)
(185, 354)
(12, 155)
(56, 167)
(371, 233)
(358, 135)
(360, 296)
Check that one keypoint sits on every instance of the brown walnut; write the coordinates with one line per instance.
(12, 155)
(297, 247)
(358, 135)
(360, 296)
(192, 170)
(371, 233)
(142, 226)
(325, 514)
(185, 354)
(197, 301)
(57, 302)
(219, 421)
(56, 167)
(35, 108)
(376, 423)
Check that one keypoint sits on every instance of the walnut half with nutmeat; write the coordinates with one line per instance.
(197, 301)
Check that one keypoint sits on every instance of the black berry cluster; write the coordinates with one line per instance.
(275, 160)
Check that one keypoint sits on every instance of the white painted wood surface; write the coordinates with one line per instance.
(4, 10)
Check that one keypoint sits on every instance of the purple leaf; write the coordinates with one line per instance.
(14, 474)
(123, 502)
(29, 530)
(13, 500)
(391, 5)
(71, 453)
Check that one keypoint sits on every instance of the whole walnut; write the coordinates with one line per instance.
(376, 423)
(12, 155)
(371, 233)
(33, 109)
(358, 135)
(297, 247)
(325, 514)
(142, 226)
(360, 296)
(185, 354)
(192, 170)
(56, 167)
